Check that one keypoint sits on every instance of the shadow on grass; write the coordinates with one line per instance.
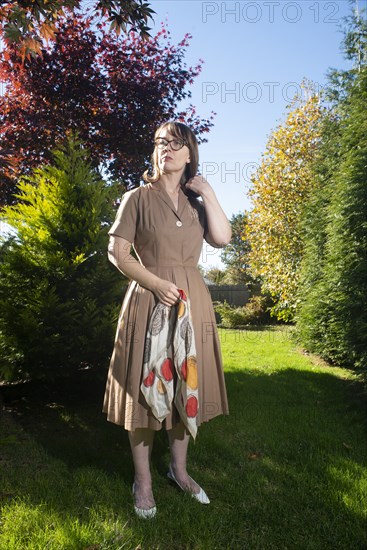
(65, 417)
(284, 470)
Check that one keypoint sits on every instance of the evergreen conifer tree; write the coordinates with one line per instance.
(59, 291)
(332, 318)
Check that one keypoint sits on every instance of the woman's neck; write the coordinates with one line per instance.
(171, 182)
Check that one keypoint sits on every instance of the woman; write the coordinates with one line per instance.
(166, 223)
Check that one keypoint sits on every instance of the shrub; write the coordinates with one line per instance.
(256, 311)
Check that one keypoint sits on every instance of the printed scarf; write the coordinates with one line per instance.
(170, 333)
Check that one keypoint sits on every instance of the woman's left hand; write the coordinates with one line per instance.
(199, 185)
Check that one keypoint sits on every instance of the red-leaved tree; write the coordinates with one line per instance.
(111, 91)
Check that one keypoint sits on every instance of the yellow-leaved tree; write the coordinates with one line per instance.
(280, 187)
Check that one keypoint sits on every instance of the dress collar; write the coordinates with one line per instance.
(182, 198)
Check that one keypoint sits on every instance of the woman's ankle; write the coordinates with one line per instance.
(142, 481)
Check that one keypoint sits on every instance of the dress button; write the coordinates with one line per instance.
(178, 223)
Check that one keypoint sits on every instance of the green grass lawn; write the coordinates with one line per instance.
(285, 470)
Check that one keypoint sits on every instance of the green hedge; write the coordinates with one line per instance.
(332, 315)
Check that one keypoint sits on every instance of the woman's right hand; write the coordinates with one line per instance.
(166, 292)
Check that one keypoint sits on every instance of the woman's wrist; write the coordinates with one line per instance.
(154, 283)
(207, 192)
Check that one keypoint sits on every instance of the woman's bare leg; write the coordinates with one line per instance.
(141, 443)
(179, 441)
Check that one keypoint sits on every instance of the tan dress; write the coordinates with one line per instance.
(168, 243)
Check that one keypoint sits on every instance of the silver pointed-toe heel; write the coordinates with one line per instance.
(201, 496)
(144, 513)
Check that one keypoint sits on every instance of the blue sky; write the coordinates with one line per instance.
(255, 54)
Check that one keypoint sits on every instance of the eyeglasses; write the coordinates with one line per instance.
(176, 144)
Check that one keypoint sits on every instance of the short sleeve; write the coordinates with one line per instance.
(127, 216)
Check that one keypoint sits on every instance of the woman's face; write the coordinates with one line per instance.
(170, 161)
